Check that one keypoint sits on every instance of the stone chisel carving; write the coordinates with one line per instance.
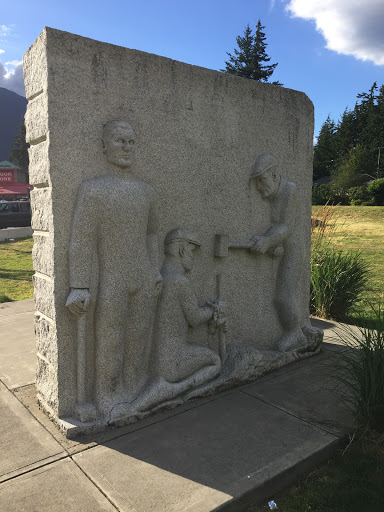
(219, 321)
(85, 411)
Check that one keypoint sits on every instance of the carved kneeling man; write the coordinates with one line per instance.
(180, 366)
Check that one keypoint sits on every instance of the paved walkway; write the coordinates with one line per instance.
(14, 233)
(218, 453)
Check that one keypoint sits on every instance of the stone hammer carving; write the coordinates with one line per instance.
(223, 244)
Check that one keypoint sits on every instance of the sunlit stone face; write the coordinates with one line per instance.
(119, 143)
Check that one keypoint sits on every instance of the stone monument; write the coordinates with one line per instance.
(171, 216)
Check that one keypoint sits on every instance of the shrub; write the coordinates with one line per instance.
(376, 189)
(337, 280)
(360, 371)
(359, 195)
(4, 298)
(321, 194)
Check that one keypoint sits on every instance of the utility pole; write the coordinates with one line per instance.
(378, 162)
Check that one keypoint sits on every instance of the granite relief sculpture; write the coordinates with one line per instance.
(129, 277)
(117, 338)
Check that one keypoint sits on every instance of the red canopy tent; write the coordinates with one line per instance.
(12, 191)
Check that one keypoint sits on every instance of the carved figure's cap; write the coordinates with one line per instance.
(181, 234)
(263, 163)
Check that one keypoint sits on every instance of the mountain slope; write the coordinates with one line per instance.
(12, 110)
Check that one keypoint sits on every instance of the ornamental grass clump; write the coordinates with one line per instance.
(337, 277)
(360, 371)
(337, 280)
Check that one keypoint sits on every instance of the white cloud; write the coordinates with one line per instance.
(4, 30)
(350, 27)
(14, 62)
(2, 51)
(12, 79)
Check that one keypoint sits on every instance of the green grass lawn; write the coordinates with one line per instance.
(16, 270)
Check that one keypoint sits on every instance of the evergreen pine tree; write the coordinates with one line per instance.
(346, 135)
(324, 156)
(18, 154)
(250, 58)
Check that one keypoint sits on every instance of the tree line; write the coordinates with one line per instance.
(351, 154)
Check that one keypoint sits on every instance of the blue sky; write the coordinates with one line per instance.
(330, 49)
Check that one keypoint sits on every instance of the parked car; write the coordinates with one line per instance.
(15, 214)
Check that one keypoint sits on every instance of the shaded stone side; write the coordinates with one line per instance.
(38, 163)
(41, 206)
(43, 295)
(45, 331)
(42, 253)
(46, 384)
(47, 362)
(36, 119)
(36, 62)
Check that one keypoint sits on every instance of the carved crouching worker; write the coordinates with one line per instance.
(180, 366)
(116, 216)
(281, 239)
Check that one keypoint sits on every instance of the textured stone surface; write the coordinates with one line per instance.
(42, 253)
(46, 384)
(41, 209)
(45, 331)
(197, 133)
(36, 79)
(38, 163)
(36, 123)
(43, 295)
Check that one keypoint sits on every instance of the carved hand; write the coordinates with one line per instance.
(78, 300)
(219, 318)
(260, 244)
(222, 322)
(158, 283)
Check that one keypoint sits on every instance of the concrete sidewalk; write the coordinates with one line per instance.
(219, 453)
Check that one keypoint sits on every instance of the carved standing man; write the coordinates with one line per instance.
(116, 217)
(281, 239)
(179, 365)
